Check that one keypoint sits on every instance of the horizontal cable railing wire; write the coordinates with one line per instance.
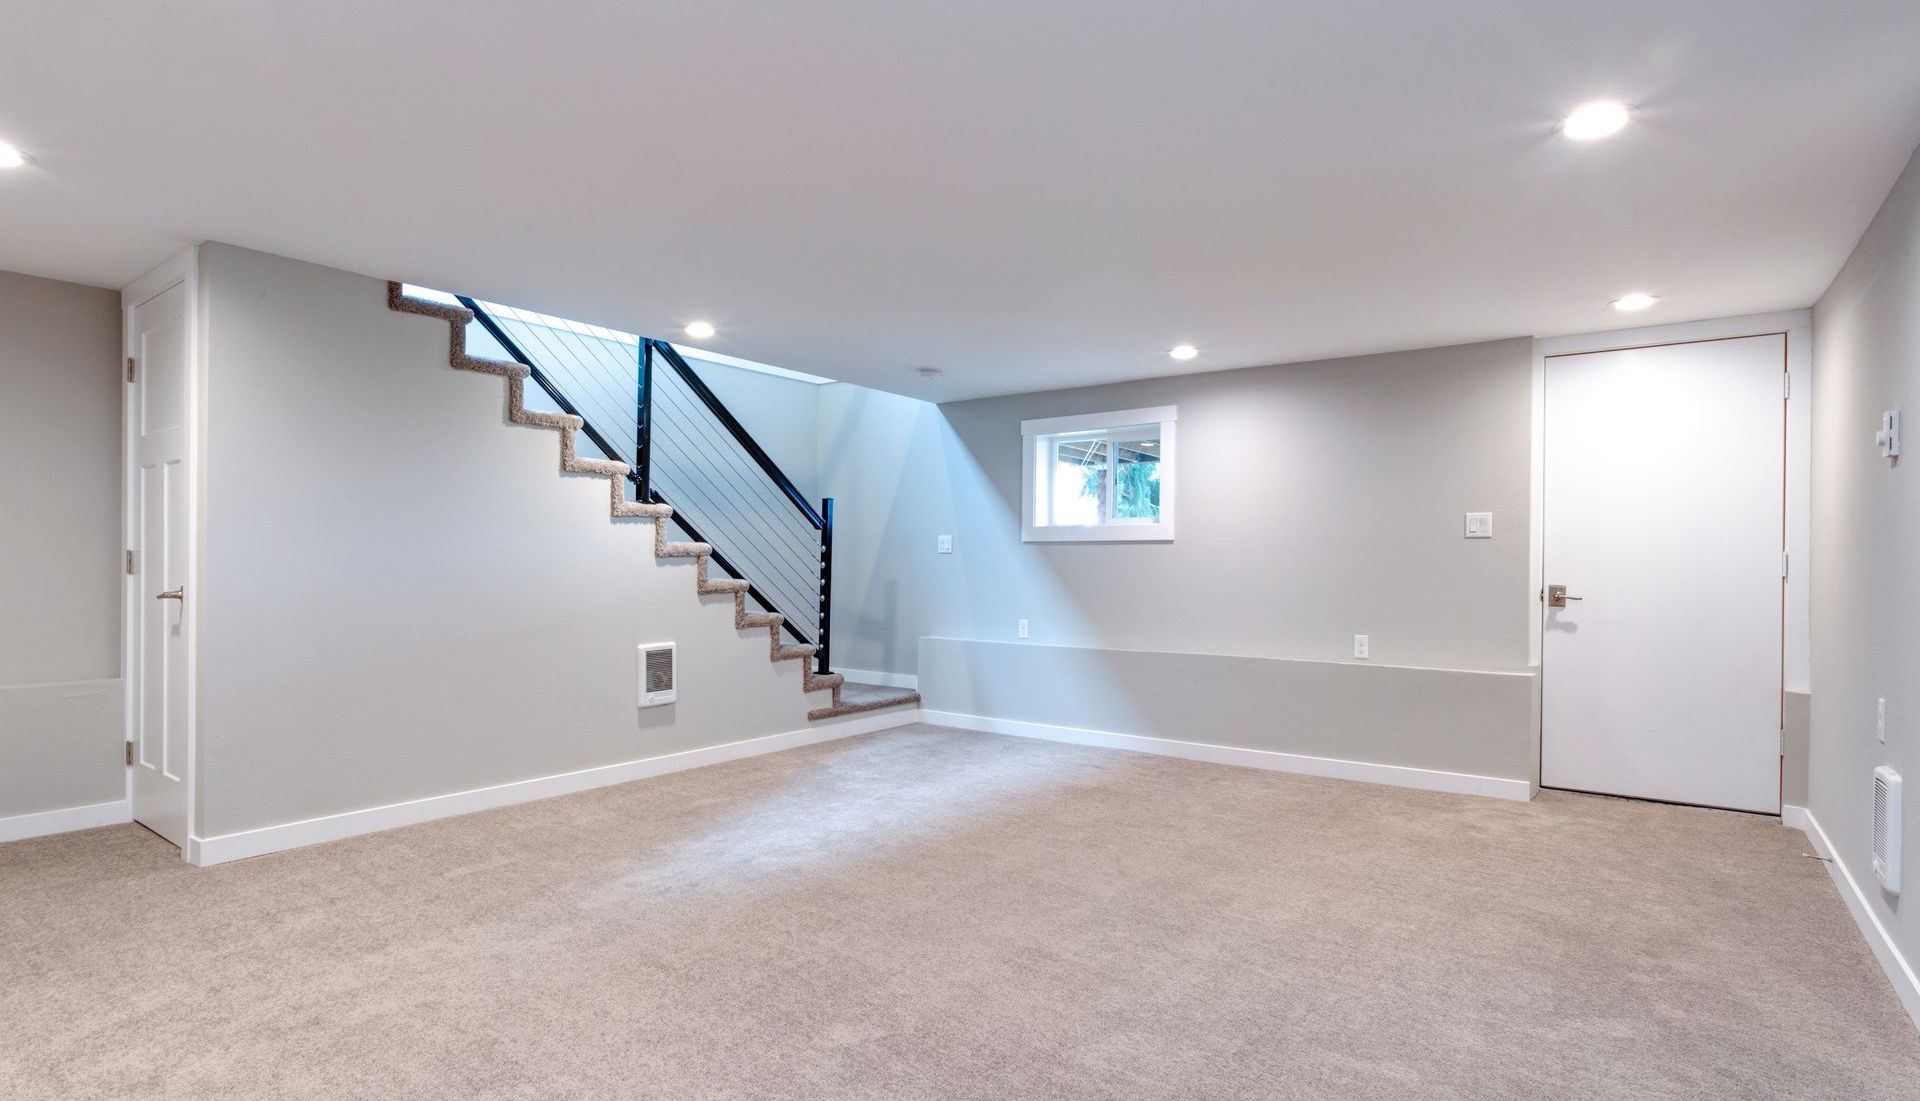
(697, 464)
(690, 451)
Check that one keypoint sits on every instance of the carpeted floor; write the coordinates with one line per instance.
(934, 914)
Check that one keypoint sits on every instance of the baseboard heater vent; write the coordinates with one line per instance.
(657, 674)
(1886, 828)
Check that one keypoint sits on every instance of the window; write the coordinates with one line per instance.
(1102, 477)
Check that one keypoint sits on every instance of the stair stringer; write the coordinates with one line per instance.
(567, 427)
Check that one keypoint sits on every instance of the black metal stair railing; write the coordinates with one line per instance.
(639, 400)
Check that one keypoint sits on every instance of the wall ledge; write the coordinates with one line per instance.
(1343, 663)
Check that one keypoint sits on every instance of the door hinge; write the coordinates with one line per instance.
(129, 563)
(1783, 565)
(129, 368)
(129, 746)
(1786, 385)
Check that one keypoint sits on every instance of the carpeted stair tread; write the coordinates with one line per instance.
(847, 698)
(854, 697)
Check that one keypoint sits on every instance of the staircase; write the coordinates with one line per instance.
(570, 384)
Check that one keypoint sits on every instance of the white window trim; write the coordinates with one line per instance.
(1113, 531)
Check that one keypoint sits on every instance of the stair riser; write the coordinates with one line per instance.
(568, 427)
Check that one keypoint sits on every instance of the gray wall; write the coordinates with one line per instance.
(781, 413)
(1317, 501)
(402, 596)
(1796, 731)
(1866, 523)
(60, 545)
(1438, 719)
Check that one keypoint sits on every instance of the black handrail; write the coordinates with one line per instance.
(740, 435)
(720, 560)
(641, 475)
(826, 584)
(642, 426)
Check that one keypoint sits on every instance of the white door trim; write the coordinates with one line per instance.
(1798, 327)
(1794, 330)
(184, 269)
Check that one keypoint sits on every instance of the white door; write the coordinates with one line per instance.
(160, 498)
(1665, 522)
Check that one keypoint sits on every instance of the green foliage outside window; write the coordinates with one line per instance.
(1135, 484)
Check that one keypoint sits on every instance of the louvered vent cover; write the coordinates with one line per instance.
(1886, 828)
(656, 674)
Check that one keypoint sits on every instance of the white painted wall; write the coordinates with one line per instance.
(403, 597)
(60, 546)
(1866, 525)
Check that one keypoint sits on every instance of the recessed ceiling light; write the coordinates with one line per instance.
(1596, 120)
(11, 157)
(700, 330)
(1183, 351)
(1630, 303)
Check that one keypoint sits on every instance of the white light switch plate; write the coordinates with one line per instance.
(1880, 720)
(1479, 525)
(1360, 646)
(1023, 628)
(944, 544)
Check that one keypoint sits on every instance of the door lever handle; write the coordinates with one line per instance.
(1557, 596)
(173, 594)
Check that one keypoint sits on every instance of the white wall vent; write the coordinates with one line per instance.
(1886, 828)
(657, 674)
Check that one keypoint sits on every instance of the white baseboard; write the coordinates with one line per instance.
(1794, 817)
(1899, 972)
(884, 680)
(22, 826)
(1458, 783)
(206, 851)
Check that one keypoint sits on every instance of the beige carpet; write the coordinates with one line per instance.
(932, 914)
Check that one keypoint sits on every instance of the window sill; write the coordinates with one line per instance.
(1099, 533)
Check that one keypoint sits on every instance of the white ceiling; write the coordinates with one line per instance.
(1027, 194)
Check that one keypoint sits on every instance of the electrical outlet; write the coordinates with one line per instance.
(1023, 628)
(944, 544)
(1360, 646)
(1880, 720)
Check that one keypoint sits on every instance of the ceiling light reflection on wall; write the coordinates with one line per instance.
(1183, 352)
(1633, 303)
(1596, 120)
(11, 157)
